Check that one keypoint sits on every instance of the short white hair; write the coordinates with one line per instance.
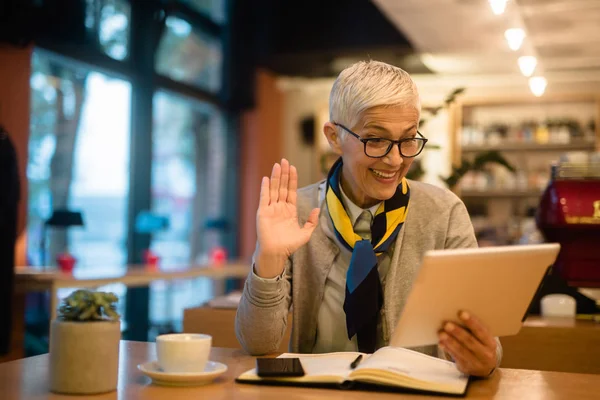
(368, 84)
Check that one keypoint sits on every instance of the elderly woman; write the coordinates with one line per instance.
(346, 250)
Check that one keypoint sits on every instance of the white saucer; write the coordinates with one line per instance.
(212, 370)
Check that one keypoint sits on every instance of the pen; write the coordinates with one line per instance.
(356, 362)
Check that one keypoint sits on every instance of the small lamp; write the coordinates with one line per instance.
(65, 219)
(60, 218)
(149, 223)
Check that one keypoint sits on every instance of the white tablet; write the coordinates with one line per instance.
(496, 284)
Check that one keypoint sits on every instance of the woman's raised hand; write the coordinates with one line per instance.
(278, 230)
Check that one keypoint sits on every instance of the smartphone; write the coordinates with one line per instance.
(279, 367)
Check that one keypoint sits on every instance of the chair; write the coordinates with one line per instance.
(220, 324)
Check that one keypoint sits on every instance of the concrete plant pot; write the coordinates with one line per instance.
(84, 356)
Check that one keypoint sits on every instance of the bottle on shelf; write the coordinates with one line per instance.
(528, 132)
(529, 231)
(522, 183)
(542, 134)
(564, 135)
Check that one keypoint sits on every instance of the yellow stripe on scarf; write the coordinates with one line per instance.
(404, 186)
(393, 219)
(343, 223)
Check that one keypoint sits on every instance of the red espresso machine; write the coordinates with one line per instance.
(569, 214)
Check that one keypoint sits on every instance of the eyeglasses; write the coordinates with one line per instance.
(379, 147)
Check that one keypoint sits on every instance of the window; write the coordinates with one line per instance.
(188, 176)
(175, 151)
(189, 164)
(108, 22)
(188, 55)
(80, 145)
(78, 160)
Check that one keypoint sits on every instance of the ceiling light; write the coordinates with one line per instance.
(514, 37)
(538, 84)
(527, 65)
(498, 6)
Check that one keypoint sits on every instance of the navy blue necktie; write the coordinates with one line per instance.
(364, 294)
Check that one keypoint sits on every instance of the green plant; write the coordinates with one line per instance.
(478, 164)
(86, 305)
(480, 161)
(433, 111)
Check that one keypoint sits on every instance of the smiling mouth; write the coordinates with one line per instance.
(383, 175)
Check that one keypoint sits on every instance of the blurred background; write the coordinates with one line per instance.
(151, 122)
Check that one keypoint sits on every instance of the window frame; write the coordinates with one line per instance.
(146, 25)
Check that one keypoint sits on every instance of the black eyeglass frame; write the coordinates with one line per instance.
(392, 142)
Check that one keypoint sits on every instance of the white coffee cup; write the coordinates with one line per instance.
(183, 352)
(558, 305)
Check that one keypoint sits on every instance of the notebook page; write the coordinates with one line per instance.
(326, 364)
(414, 365)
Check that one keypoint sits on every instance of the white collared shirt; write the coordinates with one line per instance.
(332, 334)
(353, 210)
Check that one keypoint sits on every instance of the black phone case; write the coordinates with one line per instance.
(279, 367)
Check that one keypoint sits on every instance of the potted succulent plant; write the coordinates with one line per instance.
(84, 344)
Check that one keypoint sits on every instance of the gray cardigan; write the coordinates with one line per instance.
(437, 219)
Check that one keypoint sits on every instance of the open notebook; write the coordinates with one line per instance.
(389, 367)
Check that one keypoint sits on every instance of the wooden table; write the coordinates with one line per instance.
(30, 279)
(28, 379)
(554, 344)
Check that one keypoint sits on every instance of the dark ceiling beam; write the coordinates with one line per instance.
(329, 64)
(308, 38)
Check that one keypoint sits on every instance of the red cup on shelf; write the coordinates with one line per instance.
(66, 262)
(218, 256)
(151, 259)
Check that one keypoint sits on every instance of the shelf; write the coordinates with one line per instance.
(500, 193)
(581, 145)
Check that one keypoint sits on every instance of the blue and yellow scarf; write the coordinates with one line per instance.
(364, 294)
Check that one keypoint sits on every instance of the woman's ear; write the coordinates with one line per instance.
(333, 137)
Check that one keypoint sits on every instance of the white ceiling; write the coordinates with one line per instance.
(464, 37)
(565, 33)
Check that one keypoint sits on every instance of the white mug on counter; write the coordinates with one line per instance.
(183, 352)
(558, 305)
